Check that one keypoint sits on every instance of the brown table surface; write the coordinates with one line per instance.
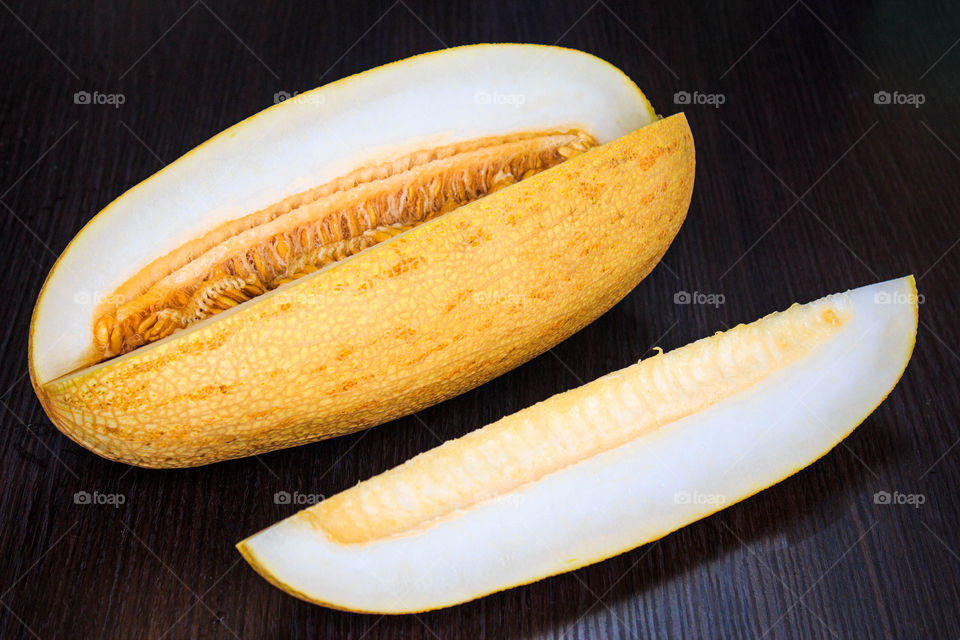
(806, 184)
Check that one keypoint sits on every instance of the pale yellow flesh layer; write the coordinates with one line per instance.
(601, 469)
(524, 447)
(423, 317)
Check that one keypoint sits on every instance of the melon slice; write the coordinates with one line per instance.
(603, 468)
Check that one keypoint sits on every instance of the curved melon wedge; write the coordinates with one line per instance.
(603, 468)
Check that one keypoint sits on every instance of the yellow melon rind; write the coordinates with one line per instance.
(417, 319)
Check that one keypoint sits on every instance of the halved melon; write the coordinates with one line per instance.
(357, 253)
(603, 468)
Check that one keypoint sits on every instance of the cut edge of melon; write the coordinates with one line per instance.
(503, 543)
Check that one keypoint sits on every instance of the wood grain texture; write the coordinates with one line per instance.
(805, 186)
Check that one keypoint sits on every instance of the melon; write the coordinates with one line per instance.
(357, 253)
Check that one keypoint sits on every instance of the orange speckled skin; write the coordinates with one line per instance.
(408, 323)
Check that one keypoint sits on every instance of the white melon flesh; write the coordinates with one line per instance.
(425, 101)
(603, 468)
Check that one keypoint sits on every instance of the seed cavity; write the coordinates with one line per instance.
(249, 256)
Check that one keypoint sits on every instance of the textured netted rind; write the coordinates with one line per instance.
(415, 320)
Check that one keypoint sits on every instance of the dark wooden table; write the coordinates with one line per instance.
(807, 183)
